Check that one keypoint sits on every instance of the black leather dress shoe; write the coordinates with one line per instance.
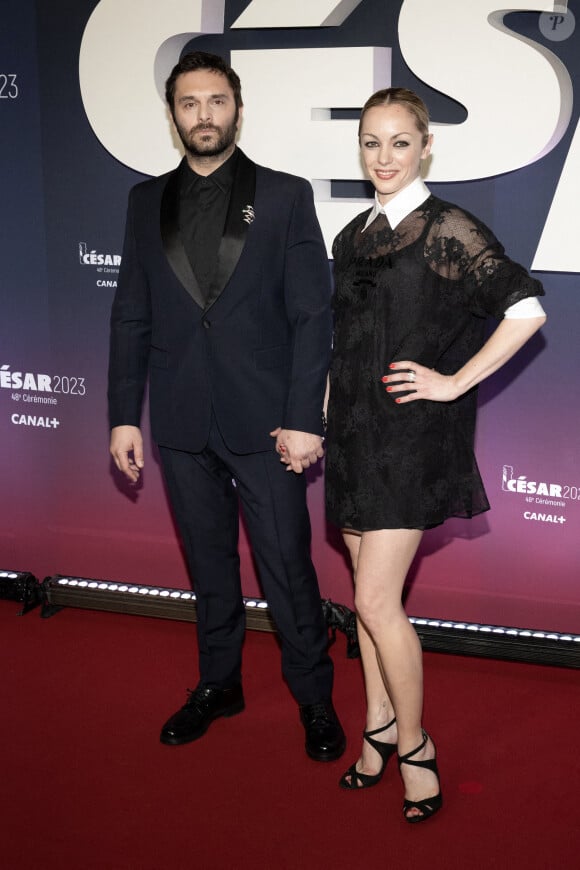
(325, 740)
(203, 706)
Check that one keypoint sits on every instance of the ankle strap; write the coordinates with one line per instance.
(404, 759)
(379, 730)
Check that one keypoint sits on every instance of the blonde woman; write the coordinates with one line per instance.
(416, 278)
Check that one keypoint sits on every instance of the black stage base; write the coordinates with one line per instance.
(20, 586)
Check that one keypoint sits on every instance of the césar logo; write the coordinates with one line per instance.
(93, 258)
(521, 484)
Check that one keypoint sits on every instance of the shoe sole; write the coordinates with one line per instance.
(179, 741)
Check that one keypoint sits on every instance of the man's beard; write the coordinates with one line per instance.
(212, 148)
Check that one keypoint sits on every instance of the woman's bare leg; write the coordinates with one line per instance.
(383, 559)
(380, 709)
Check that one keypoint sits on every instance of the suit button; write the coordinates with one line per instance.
(206, 324)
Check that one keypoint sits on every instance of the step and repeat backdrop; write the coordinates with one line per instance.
(83, 119)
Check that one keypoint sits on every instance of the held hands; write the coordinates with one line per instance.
(425, 383)
(126, 448)
(298, 450)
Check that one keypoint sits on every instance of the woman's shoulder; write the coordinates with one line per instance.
(358, 221)
(347, 233)
(453, 220)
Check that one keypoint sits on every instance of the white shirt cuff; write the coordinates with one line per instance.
(529, 307)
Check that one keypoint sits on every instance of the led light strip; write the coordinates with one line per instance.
(495, 629)
(438, 635)
(155, 591)
(65, 591)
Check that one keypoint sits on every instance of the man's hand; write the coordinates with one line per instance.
(298, 450)
(127, 440)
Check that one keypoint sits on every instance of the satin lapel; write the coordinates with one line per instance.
(172, 243)
(234, 237)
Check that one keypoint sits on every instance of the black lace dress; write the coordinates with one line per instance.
(421, 292)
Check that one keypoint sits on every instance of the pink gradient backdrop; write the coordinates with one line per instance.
(64, 510)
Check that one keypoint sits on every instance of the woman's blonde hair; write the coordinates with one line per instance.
(400, 97)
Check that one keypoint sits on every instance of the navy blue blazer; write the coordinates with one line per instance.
(257, 350)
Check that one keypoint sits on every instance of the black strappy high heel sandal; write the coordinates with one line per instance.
(366, 780)
(428, 806)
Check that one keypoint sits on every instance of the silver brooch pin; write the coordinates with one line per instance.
(249, 214)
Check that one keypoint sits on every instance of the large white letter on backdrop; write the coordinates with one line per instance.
(559, 250)
(518, 95)
(127, 51)
(299, 136)
(296, 13)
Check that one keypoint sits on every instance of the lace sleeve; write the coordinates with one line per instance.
(461, 248)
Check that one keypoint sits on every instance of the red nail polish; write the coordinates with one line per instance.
(389, 389)
(391, 365)
(384, 379)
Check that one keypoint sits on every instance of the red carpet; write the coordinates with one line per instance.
(86, 783)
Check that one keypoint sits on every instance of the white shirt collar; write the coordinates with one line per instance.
(406, 201)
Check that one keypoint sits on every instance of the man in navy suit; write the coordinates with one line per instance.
(223, 301)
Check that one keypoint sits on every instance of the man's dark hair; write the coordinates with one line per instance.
(202, 60)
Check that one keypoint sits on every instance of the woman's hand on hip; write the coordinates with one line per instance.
(405, 375)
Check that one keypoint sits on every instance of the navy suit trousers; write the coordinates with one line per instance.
(206, 490)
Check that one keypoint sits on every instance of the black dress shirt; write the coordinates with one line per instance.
(203, 208)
